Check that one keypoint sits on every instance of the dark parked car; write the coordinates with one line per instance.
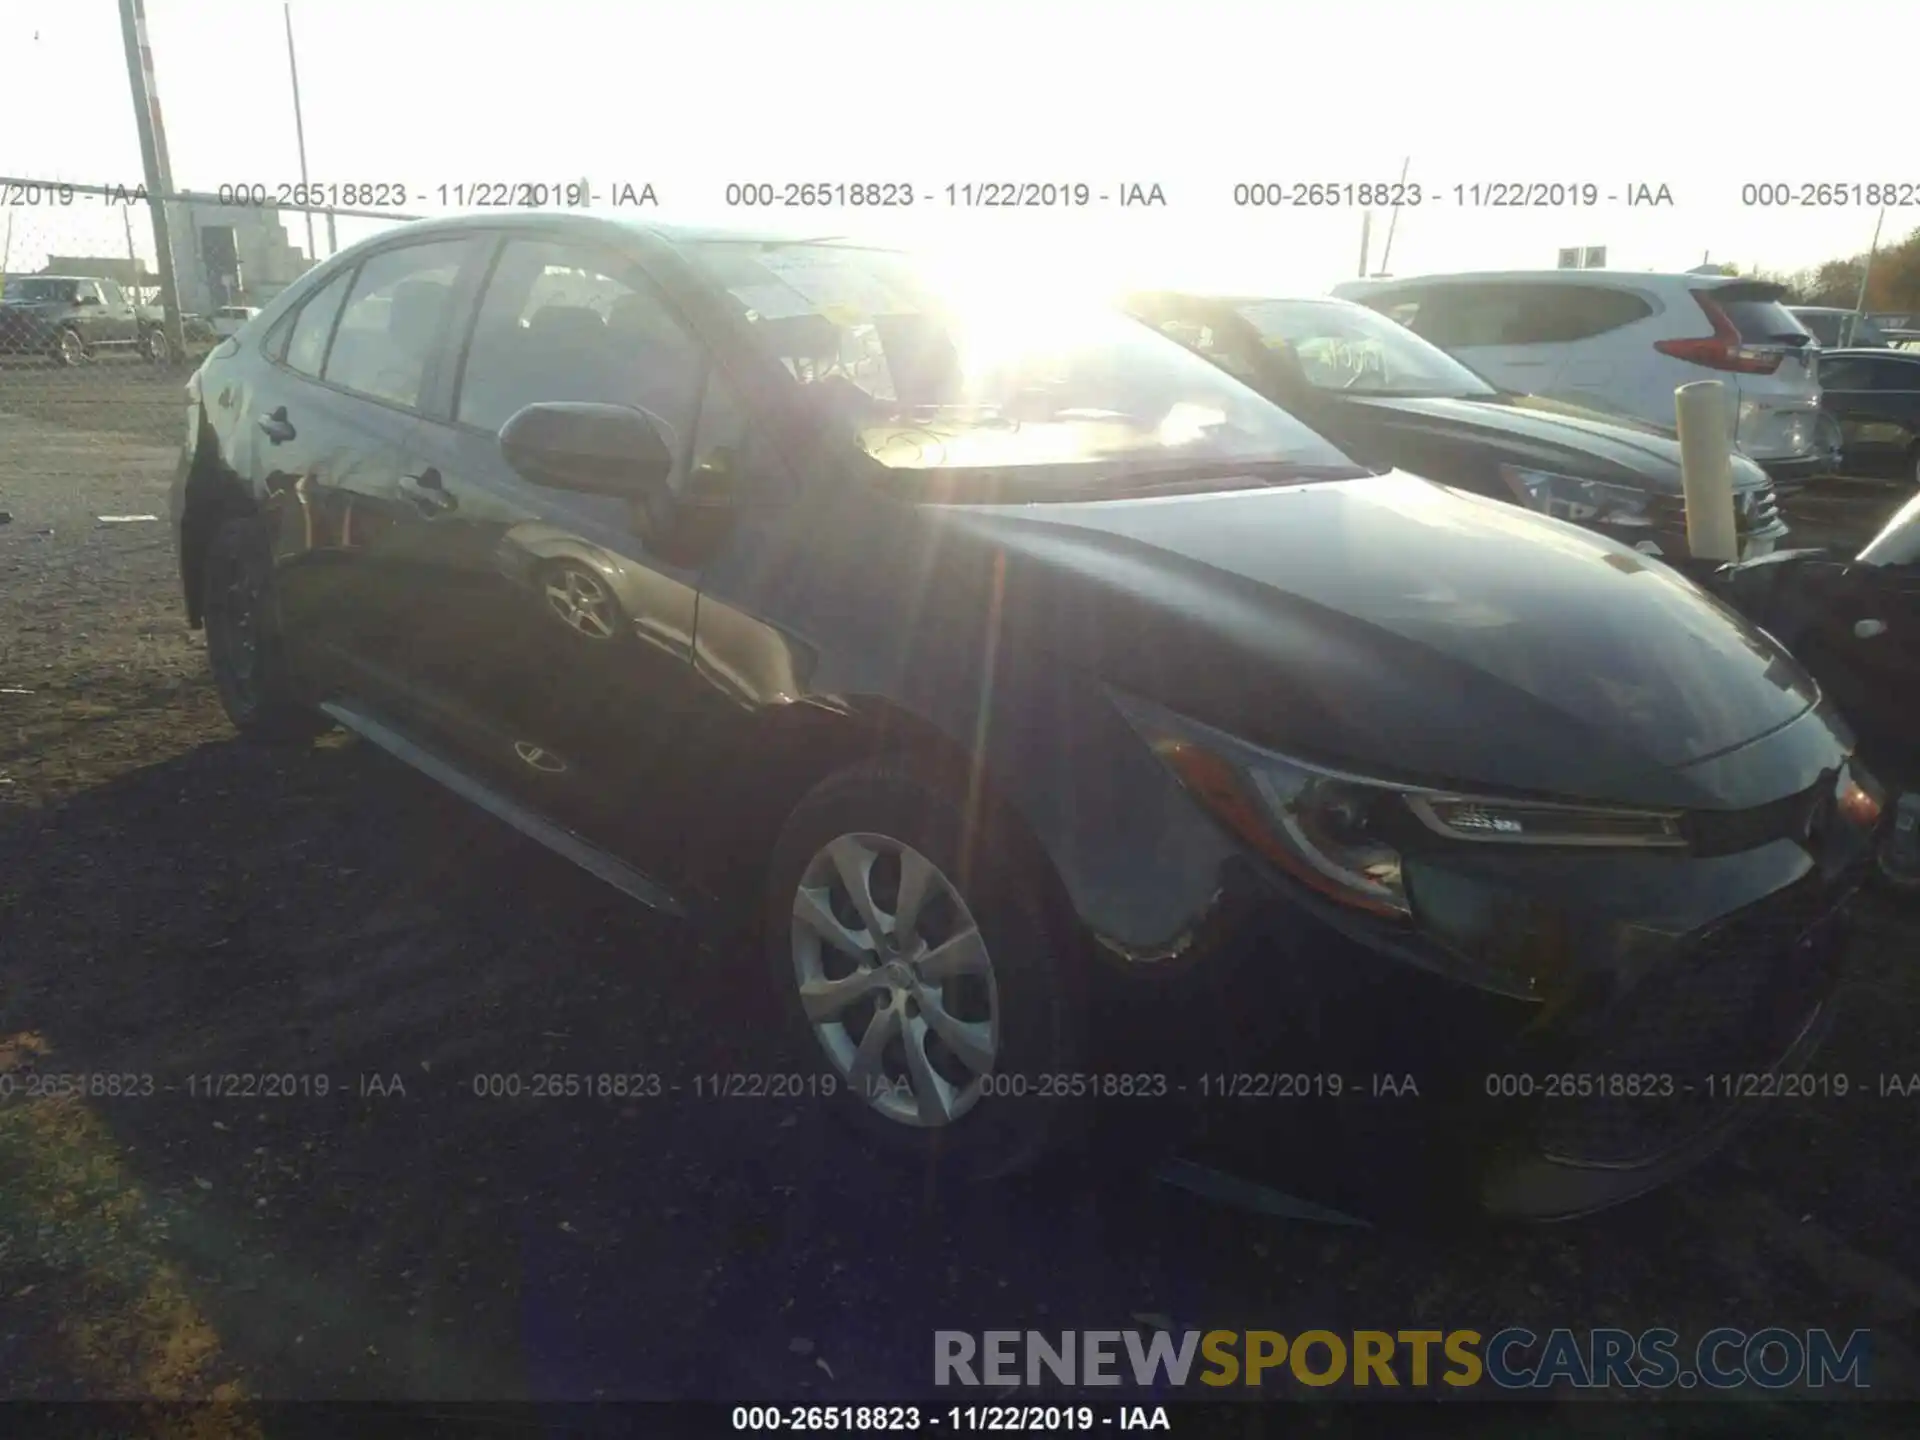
(1854, 622)
(70, 319)
(1873, 395)
(1390, 398)
(1837, 329)
(1095, 749)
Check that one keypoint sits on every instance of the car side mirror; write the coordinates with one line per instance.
(595, 449)
(86, 298)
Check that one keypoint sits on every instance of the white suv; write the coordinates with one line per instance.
(1623, 342)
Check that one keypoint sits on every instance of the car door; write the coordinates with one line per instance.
(331, 432)
(1534, 337)
(119, 325)
(1483, 323)
(1875, 401)
(90, 314)
(553, 644)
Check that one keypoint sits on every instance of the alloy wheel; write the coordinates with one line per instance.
(158, 350)
(895, 979)
(580, 598)
(71, 350)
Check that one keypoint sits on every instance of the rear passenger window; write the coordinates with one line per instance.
(1460, 316)
(1843, 374)
(1561, 314)
(394, 320)
(307, 342)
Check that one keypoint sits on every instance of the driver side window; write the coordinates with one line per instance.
(562, 322)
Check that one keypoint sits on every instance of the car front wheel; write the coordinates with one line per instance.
(1897, 862)
(69, 349)
(154, 344)
(919, 969)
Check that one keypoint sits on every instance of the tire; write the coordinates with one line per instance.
(1020, 1014)
(244, 647)
(154, 345)
(69, 350)
(1896, 860)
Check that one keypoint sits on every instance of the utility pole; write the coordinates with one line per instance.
(300, 128)
(153, 156)
(1866, 270)
(1393, 219)
(1366, 237)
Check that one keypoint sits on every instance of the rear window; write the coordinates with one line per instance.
(1760, 319)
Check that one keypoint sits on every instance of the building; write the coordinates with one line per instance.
(231, 254)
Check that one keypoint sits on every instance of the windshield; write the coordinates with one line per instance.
(38, 289)
(1349, 347)
(930, 375)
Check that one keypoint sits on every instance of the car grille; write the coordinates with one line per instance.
(1756, 512)
(1732, 1004)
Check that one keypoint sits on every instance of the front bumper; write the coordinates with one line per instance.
(1345, 1070)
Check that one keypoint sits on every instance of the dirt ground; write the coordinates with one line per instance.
(174, 904)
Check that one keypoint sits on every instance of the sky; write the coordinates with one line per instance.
(1700, 97)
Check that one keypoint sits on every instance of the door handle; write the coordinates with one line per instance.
(427, 492)
(276, 427)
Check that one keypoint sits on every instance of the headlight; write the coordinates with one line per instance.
(1336, 832)
(1568, 497)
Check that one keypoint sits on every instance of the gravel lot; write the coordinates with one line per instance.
(174, 903)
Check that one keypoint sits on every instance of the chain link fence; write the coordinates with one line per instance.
(86, 342)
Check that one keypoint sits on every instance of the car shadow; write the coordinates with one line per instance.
(251, 928)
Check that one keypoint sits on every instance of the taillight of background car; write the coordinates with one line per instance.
(1724, 349)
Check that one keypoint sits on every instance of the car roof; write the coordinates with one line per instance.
(602, 224)
(1235, 297)
(1569, 277)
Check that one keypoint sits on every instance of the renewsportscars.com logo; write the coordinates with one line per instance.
(1514, 1358)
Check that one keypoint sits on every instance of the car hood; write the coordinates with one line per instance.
(1402, 628)
(1562, 439)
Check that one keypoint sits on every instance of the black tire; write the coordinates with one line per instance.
(153, 344)
(244, 647)
(1895, 875)
(1038, 1025)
